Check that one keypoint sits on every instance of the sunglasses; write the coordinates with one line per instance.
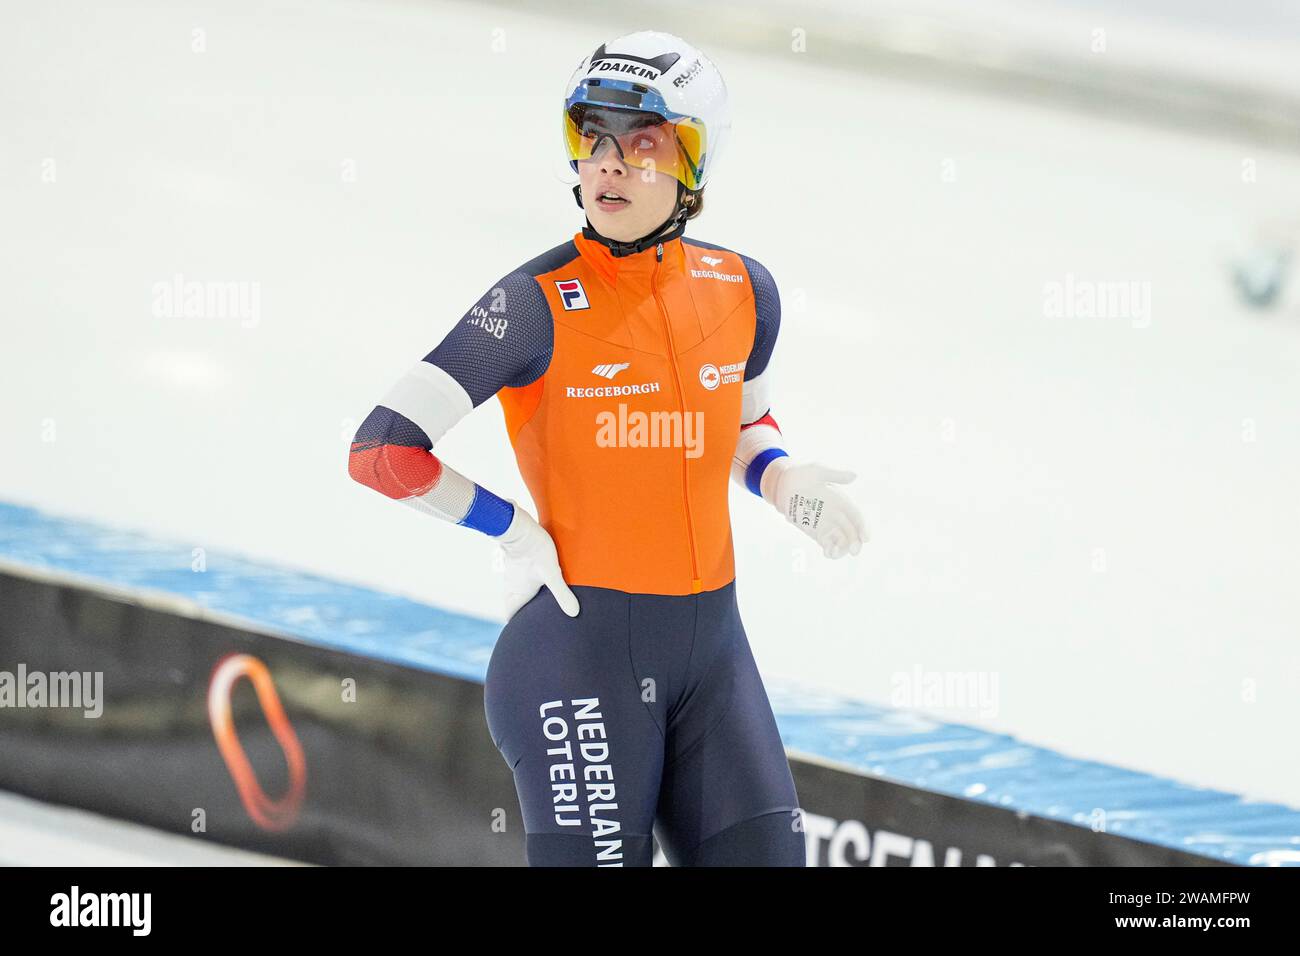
(644, 140)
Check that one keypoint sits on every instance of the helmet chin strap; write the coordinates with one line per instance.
(669, 229)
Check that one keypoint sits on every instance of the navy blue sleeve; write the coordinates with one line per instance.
(504, 340)
(767, 309)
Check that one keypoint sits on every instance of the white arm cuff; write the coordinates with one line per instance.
(756, 397)
(429, 397)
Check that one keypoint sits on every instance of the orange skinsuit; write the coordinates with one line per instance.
(655, 520)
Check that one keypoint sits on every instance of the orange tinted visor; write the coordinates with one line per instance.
(644, 140)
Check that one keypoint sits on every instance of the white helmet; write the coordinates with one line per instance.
(613, 90)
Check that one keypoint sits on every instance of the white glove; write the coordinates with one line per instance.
(806, 495)
(531, 562)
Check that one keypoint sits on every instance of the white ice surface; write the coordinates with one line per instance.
(33, 833)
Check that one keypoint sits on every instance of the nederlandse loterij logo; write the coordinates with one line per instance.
(577, 728)
(572, 294)
(610, 370)
(709, 260)
(711, 376)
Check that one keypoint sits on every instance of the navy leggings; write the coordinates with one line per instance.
(644, 714)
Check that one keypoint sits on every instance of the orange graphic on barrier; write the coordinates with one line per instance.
(269, 814)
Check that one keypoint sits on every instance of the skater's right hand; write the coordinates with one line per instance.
(531, 562)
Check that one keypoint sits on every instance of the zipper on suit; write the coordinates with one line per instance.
(696, 583)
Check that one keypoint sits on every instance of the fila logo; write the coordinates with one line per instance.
(710, 260)
(572, 294)
(610, 370)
